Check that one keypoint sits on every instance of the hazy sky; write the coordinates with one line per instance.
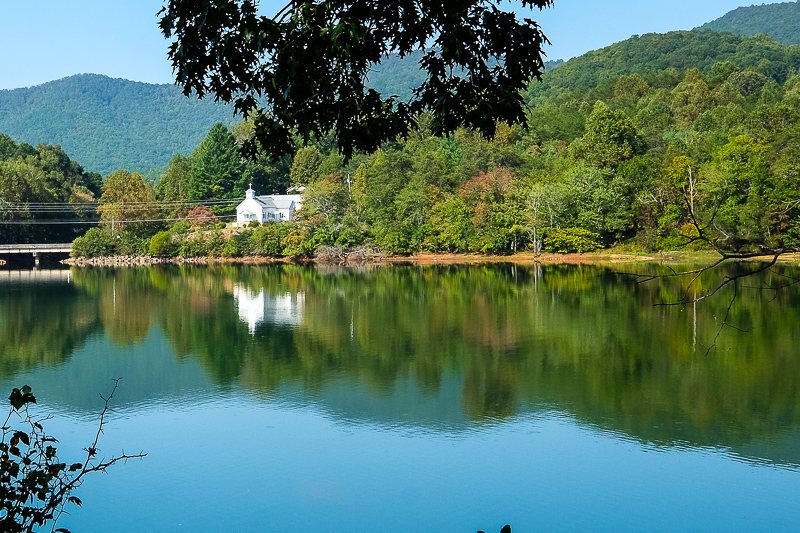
(44, 40)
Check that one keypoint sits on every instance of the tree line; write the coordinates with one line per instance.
(638, 163)
(641, 161)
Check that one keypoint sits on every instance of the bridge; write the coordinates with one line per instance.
(36, 250)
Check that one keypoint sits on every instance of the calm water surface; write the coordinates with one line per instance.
(407, 398)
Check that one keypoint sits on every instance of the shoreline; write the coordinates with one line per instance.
(419, 259)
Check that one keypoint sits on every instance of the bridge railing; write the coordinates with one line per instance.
(35, 248)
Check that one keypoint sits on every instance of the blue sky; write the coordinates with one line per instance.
(44, 40)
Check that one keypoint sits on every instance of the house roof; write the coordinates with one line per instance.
(265, 201)
(280, 201)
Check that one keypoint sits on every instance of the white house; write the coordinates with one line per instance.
(267, 208)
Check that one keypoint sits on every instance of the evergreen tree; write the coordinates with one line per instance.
(216, 166)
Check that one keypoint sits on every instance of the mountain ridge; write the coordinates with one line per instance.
(109, 123)
(781, 21)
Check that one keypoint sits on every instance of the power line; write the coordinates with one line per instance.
(96, 203)
(131, 206)
(93, 222)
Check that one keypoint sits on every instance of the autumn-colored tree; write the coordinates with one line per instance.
(202, 216)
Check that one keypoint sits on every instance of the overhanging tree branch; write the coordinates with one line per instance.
(35, 486)
(306, 69)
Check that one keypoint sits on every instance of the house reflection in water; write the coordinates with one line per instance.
(256, 308)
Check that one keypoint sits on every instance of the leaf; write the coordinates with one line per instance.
(23, 437)
(19, 398)
(75, 467)
(73, 499)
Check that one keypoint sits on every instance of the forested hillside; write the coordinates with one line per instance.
(643, 161)
(107, 123)
(779, 21)
(645, 144)
(397, 75)
(661, 58)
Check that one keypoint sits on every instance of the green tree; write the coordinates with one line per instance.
(327, 197)
(610, 138)
(126, 197)
(305, 166)
(174, 184)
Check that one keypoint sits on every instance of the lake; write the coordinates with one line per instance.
(416, 398)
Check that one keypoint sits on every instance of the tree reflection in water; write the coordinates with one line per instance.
(579, 339)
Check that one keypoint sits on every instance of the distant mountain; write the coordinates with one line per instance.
(779, 21)
(107, 124)
(398, 75)
(653, 55)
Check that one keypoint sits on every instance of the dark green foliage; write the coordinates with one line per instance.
(216, 167)
(108, 124)
(653, 55)
(42, 175)
(130, 243)
(308, 65)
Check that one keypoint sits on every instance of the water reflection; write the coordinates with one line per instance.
(442, 348)
(254, 309)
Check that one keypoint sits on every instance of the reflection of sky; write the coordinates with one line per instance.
(35, 276)
(240, 464)
(256, 308)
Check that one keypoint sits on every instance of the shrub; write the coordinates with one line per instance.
(180, 226)
(238, 245)
(268, 238)
(161, 244)
(97, 242)
(194, 246)
(130, 244)
(215, 243)
(570, 240)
